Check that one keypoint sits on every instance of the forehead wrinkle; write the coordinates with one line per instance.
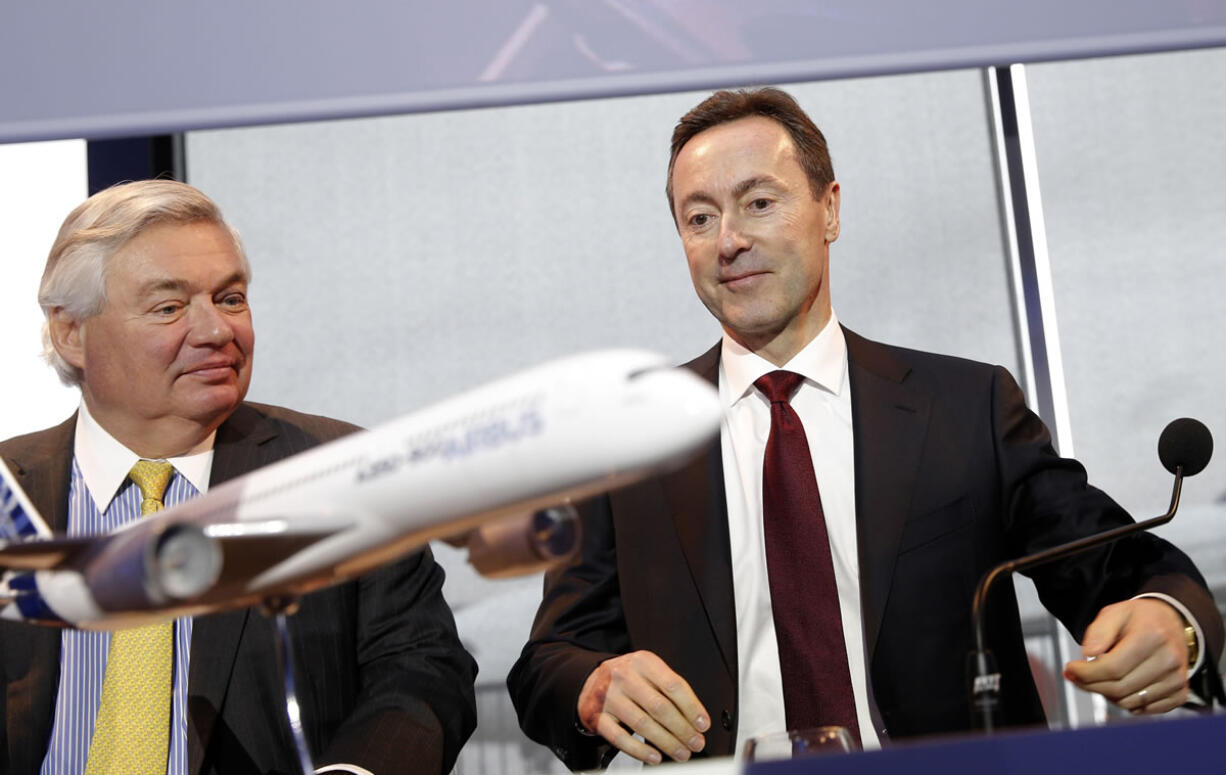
(161, 284)
(158, 285)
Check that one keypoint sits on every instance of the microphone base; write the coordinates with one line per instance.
(983, 685)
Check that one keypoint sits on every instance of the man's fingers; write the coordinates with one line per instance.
(1159, 697)
(1105, 630)
(650, 686)
(640, 692)
(649, 713)
(683, 698)
(619, 738)
(1144, 669)
(1158, 684)
(1151, 700)
(631, 713)
(1138, 642)
(1140, 660)
(678, 692)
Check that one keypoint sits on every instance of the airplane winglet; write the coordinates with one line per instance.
(19, 520)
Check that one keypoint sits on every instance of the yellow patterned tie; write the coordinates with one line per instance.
(132, 732)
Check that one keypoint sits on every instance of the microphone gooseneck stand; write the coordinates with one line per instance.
(985, 686)
(1184, 447)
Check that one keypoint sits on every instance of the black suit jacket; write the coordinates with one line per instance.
(381, 675)
(953, 475)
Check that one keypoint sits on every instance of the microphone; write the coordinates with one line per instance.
(522, 544)
(1184, 448)
(1185, 443)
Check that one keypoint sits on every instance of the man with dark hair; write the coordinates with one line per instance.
(145, 297)
(816, 565)
(725, 106)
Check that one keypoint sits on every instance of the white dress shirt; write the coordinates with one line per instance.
(105, 462)
(823, 403)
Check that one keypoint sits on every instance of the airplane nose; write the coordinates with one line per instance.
(686, 402)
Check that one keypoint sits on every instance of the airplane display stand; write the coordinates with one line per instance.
(280, 609)
(1143, 746)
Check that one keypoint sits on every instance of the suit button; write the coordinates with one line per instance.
(725, 719)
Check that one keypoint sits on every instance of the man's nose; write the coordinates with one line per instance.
(209, 325)
(732, 239)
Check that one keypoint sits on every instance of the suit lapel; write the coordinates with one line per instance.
(244, 442)
(889, 421)
(44, 470)
(694, 497)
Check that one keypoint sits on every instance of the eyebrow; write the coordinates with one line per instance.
(738, 191)
(747, 185)
(168, 284)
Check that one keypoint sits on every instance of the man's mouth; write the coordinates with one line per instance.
(740, 279)
(218, 369)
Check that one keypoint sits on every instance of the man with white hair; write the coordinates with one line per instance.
(145, 296)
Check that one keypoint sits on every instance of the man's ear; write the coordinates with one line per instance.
(67, 337)
(832, 200)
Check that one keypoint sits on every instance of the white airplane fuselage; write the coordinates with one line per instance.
(564, 430)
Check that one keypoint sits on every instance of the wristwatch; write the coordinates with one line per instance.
(1189, 634)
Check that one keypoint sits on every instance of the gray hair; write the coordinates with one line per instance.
(74, 280)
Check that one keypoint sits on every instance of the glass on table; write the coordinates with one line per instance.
(799, 743)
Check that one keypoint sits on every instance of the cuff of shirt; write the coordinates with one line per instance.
(1190, 619)
(348, 769)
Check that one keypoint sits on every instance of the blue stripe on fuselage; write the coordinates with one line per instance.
(30, 601)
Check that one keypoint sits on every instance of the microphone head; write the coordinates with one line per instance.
(1185, 442)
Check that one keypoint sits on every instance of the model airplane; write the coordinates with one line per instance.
(564, 430)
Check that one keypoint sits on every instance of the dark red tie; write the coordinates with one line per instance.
(804, 597)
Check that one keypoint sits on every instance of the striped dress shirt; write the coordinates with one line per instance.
(101, 463)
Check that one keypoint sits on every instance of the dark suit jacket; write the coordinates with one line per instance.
(381, 674)
(953, 475)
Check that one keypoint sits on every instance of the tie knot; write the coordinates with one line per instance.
(778, 386)
(151, 476)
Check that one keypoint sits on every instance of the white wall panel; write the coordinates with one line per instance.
(39, 184)
(1132, 157)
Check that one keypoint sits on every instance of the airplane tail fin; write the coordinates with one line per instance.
(19, 520)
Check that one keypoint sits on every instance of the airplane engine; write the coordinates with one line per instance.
(142, 569)
(523, 544)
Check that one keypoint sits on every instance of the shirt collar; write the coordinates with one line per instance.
(823, 362)
(105, 462)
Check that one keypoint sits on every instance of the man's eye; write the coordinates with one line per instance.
(701, 219)
(234, 300)
(167, 309)
(760, 204)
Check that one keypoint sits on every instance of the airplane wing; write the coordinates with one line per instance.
(155, 565)
(42, 553)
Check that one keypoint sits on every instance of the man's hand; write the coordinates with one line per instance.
(1136, 656)
(641, 692)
